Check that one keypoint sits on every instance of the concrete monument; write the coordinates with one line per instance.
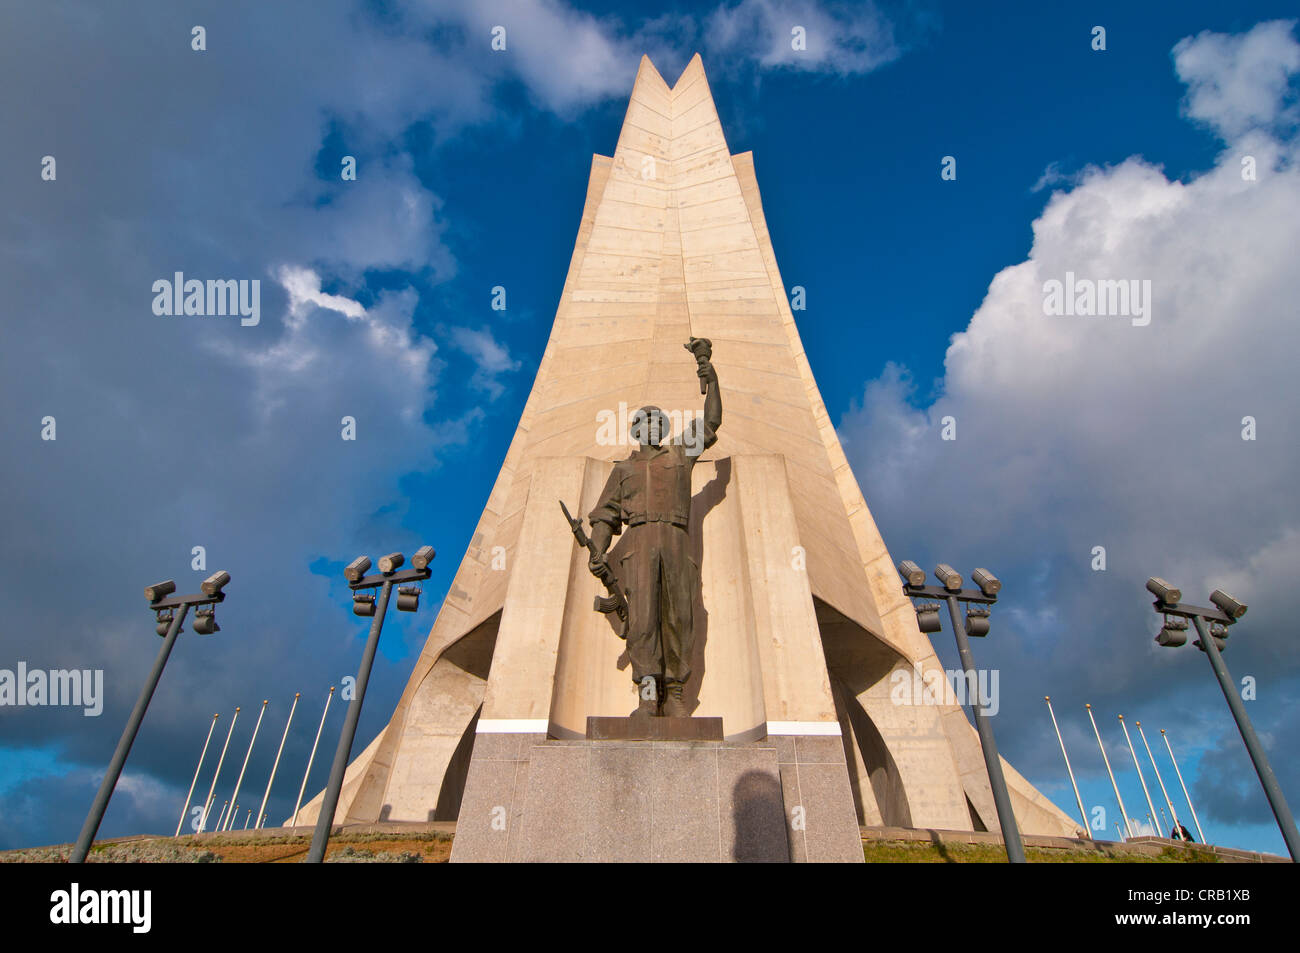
(799, 631)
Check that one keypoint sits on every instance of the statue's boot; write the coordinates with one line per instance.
(648, 696)
(674, 705)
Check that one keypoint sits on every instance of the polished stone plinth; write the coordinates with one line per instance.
(533, 798)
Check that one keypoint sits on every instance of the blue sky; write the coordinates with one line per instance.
(472, 167)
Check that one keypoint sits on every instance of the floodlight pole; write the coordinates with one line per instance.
(1199, 616)
(1265, 771)
(330, 803)
(951, 592)
(384, 581)
(96, 815)
(1001, 800)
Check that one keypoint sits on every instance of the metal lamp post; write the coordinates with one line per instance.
(1226, 612)
(169, 612)
(976, 623)
(366, 605)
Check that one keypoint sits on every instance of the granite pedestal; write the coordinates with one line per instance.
(530, 798)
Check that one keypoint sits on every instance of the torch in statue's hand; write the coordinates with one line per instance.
(702, 348)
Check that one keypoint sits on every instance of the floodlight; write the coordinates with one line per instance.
(159, 590)
(1218, 632)
(1165, 592)
(912, 574)
(357, 568)
(215, 583)
(989, 584)
(423, 556)
(977, 621)
(363, 604)
(948, 576)
(408, 598)
(391, 563)
(1230, 606)
(205, 622)
(1173, 634)
(927, 617)
(164, 622)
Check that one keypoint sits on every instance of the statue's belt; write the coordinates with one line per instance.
(652, 518)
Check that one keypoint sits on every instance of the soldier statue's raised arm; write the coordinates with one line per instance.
(649, 493)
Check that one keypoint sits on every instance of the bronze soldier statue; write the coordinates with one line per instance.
(650, 494)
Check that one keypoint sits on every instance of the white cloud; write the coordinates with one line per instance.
(1075, 432)
(491, 358)
(569, 59)
(1240, 81)
(303, 286)
(843, 39)
(386, 219)
(375, 351)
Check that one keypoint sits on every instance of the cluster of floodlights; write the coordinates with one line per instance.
(408, 597)
(927, 613)
(1175, 629)
(205, 616)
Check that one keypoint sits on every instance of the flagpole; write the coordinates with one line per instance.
(261, 811)
(1087, 830)
(240, 779)
(1161, 780)
(207, 805)
(1150, 806)
(186, 809)
(328, 699)
(1122, 810)
(1187, 796)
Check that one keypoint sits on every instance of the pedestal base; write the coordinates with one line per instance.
(532, 798)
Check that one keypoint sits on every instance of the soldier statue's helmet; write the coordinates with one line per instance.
(650, 426)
